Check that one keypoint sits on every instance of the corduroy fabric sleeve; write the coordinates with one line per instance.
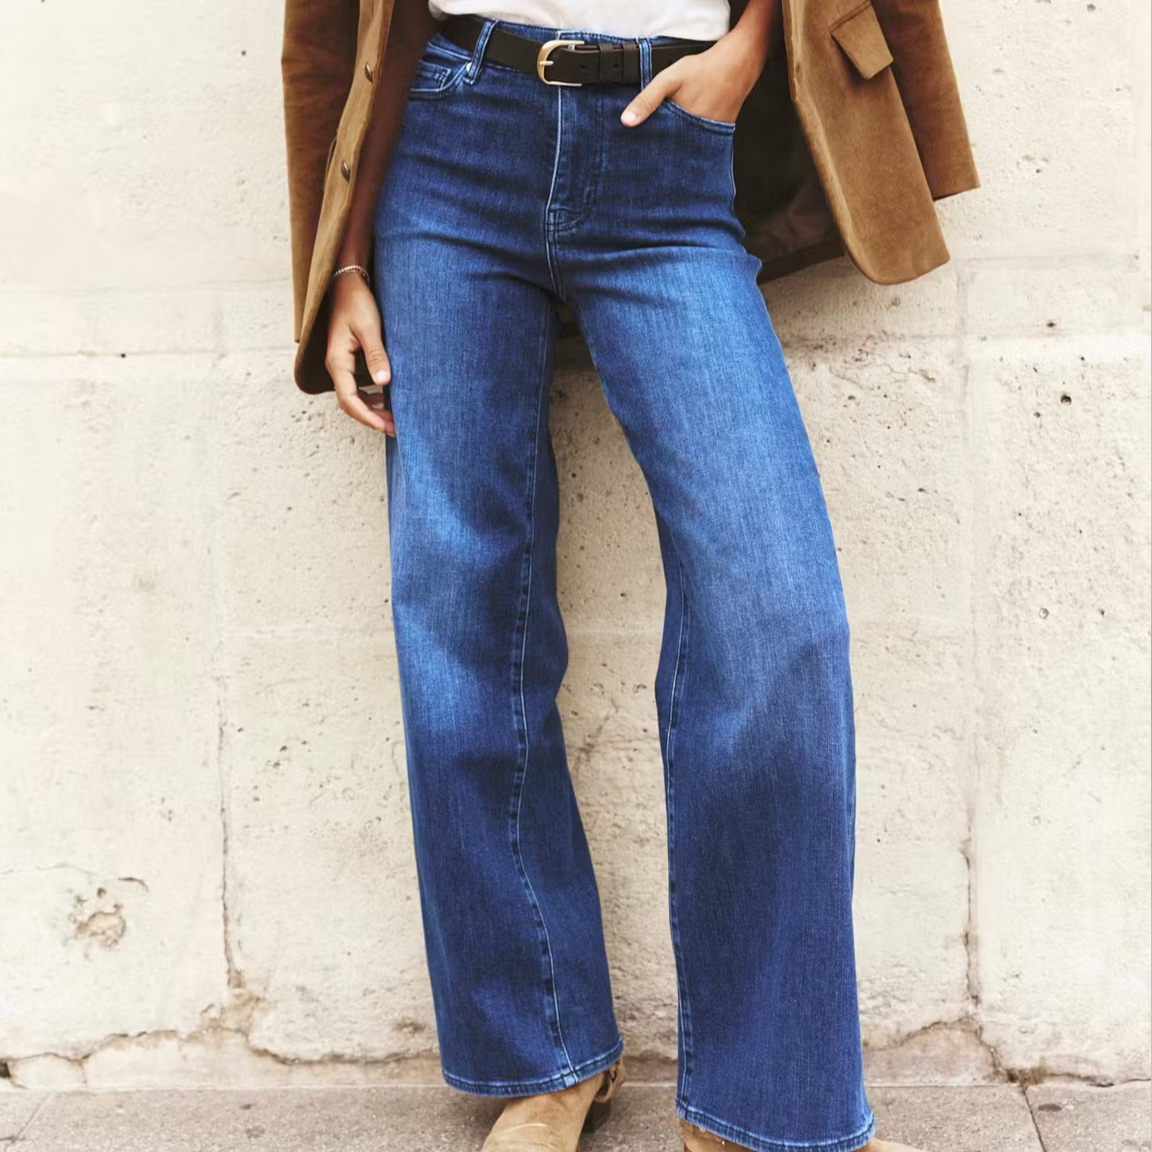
(922, 65)
(317, 63)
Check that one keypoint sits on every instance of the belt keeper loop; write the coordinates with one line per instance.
(472, 71)
(610, 62)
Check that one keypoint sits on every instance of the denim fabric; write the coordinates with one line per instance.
(503, 196)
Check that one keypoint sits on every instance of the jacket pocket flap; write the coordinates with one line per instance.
(862, 39)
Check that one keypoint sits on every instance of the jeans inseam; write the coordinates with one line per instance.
(679, 679)
(520, 779)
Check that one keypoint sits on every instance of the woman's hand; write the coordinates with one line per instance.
(713, 83)
(355, 324)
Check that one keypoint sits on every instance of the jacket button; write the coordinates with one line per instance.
(368, 74)
(345, 171)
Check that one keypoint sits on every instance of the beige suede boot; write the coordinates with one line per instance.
(697, 1140)
(553, 1121)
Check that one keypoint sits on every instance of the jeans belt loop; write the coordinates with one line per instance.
(472, 72)
(645, 62)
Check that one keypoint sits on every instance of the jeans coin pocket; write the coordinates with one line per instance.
(440, 68)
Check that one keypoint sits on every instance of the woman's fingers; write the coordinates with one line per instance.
(341, 365)
(649, 98)
(375, 397)
(367, 333)
(355, 326)
(366, 329)
(713, 83)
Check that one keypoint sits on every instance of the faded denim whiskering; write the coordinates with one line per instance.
(503, 196)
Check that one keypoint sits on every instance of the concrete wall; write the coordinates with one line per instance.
(206, 869)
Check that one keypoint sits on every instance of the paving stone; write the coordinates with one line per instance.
(1075, 1118)
(990, 1118)
(438, 1119)
(16, 1110)
(331, 1120)
(643, 1120)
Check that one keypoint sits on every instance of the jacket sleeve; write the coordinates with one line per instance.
(922, 65)
(317, 63)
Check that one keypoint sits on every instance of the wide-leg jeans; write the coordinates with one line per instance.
(504, 196)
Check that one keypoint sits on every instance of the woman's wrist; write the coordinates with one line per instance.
(352, 256)
(356, 246)
(753, 33)
(752, 40)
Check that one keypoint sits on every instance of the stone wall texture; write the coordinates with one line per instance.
(206, 865)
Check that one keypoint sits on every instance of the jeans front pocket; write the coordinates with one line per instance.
(720, 127)
(694, 161)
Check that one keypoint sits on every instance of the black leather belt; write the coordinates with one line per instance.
(567, 62)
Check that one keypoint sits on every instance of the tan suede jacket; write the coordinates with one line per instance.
(853, 130)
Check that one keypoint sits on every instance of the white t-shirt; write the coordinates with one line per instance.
(691, 19)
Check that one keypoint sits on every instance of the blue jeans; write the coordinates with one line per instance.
(503, 196)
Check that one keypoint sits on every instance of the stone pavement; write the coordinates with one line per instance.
(1051, 1117)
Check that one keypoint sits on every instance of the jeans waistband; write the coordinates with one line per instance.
(542, 33)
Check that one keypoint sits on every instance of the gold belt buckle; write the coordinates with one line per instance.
(542, 62)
